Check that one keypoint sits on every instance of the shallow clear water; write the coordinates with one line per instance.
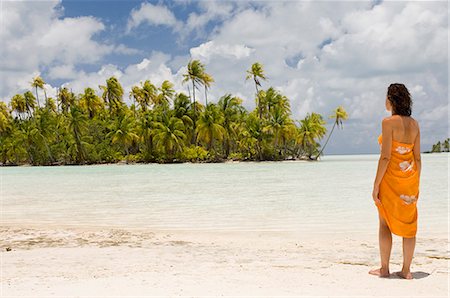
(333, 194)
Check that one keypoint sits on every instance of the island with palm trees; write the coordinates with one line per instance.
(160, 126)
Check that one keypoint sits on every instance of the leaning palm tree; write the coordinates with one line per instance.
(339, 114)
(38, 82)
(256, 72)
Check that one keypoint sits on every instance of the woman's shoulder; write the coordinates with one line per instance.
(396, 118)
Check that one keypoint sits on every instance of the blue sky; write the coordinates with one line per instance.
(115, 15)
(320, 54)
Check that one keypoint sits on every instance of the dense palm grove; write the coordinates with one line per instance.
(159, 126)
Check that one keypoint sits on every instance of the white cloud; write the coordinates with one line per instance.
(123, 49)
(210, 49)
(209, 11)
(153, 15)
(65, 71)
(44, 40)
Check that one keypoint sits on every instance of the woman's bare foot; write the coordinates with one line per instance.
(381, 272)
(405, 275)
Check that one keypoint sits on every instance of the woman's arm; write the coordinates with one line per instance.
(385, 156)
(416, 151)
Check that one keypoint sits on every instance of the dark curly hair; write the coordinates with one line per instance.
(400, 99)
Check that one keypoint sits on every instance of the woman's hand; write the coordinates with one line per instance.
(375, 193)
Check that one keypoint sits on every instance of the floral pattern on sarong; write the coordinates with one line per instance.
(408, 199)
(406, 165)
(402, 150)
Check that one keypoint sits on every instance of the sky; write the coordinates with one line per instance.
(320, 54)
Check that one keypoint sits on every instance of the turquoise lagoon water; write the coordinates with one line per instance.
(332, 195)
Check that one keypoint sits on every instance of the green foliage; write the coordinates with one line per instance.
(194, 153)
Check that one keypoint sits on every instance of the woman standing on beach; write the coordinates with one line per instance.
(396, 186)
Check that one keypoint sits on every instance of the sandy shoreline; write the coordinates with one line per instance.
(78, 262)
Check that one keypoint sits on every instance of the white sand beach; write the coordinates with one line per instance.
(81, 262)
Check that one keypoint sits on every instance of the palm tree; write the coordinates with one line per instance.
(41, 131)
(181, 109)
(5, 121)
(77, 127)
(312, 127)
(169, 135)
(195, 74)
(339, 114)
(30, 102)
(123, 133)
(51, 105)
(112, 95)
(66, 98)
(231, 109)
(145, 131)
(282, 127)
(256, 72)
(150, 92)
(136, 93)
(90, 102)
(254, 132)
(207, 80)
(19, 105)
(446, 145)
(210, 126)
(166, 95)
(38, 82)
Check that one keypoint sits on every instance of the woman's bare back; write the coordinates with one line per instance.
(405, 129)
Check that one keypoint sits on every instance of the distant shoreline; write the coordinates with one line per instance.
(124, 162)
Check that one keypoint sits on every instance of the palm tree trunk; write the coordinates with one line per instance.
(194, 139)
(37, 97)
(326, 140)
(257, 98)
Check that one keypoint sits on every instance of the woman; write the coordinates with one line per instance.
(396, 186)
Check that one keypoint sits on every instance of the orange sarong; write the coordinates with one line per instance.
(399, 190)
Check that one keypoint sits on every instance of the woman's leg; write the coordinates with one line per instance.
(385, 241)
(408, 252)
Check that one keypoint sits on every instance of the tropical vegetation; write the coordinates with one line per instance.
(161, 125)
(440, 146)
